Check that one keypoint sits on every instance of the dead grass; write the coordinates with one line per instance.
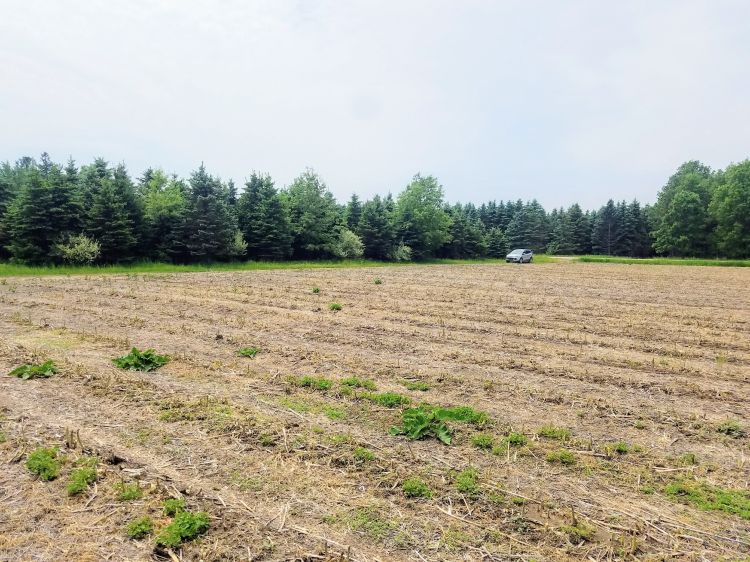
(290, 454)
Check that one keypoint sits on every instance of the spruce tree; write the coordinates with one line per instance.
(264, 220)
(31, 231)
(376, 230)
(353, 213)
(109, 223)
(497, 244)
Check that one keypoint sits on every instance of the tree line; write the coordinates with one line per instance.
(50, 213)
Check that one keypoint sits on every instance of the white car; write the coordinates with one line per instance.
(520, 256)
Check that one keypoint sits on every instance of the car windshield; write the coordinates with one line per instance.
(516, 252)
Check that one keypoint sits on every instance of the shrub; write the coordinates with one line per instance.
(185, 527)
(378, 281)
(356, 382)
(554, 432)
(483, 441)
(349, 245)
(415, 488)
(173, 506)
(416, 385)
(128, 492)
(402, 252)
(467, 481)
(81, 478)
(249, 352)
(139, 528)
(79, 249)
(41, 371)
(237, 246)
(561, 456)
(44, 463)
(141, 360)
(334, 306)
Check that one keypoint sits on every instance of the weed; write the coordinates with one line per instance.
(554, 432)
(334, 306)
(463, 414)
(483, 441)
(639, 424)
(140, 528)
(454, 539)
(362, 454)
(128, 492)
(467, 482)
(415, 488)
(137, 360)
(173, 506)
(185, 527)
(316, 383)
(516, 439)
(248, 352)
(81, 478)
(387, 399)
(620, 447)
(562, 456)
(710, 498)
(731, 428)
(578, 533)
(41, 371)
(356, 382)
(44, 463)
(687, 459)
(316, 290)
(366, 520)
(420, 423)
(378, 281)
(416, 385)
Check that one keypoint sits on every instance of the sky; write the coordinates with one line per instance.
(559, 101)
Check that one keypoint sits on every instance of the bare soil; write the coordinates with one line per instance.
(653, 357)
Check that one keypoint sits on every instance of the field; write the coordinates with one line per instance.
(606, 413)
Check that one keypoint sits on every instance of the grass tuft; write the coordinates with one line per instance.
(483, 441)
(416, 488)
(356, 382)
(416, 385)
(386, 399)
(128, 492)
(554, 432)
(173, 506)
(81, 478)
(561, 456)
(731, 428)
(467, 482)
(334, 306)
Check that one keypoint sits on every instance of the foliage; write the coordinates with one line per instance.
(173, 506)
(44, 463)
(421, 221)
(316, 383)
(140, 527)
(41, 371)
(186, 526)
(80, 478)
(554, 432)
(415, 488)
(128, 492)
(357, 382)
(79, 250)
(249, 351)
(467, 482)
(363, 455)
(417, 385)
(710, 498)
(562, 456)
(349, 245)
(731, 428)
(334, 306)
(420, 423)
(402, 252)
(483, 441)
(136, 360)
(387, 399)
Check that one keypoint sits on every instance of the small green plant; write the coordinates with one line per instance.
(732, 429)
(140, 528)
(3, 437)
(516, 439)
(387, 399)
(620, 448)
(334, 413)
(483, 441)
(420, 423)
(128, 492)
(185, 527)
(415, 488)
(334, 306)
(416, 385)
(316, 383)
(467, 481)
(40, 371)
(356, 382)
(578, 533)
(137, 360)
(378, 281)
(554, 432)
(362, 454)
(463, 414)
(316, 290)
(249, 352)
(173, 506)
(44, 463)
(82, 477)
(561, 456)
(710, 498)
(687, 459)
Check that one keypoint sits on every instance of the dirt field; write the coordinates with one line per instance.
(644, 366)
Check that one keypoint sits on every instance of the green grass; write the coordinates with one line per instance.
(334, 306)
(248, 352)
(561, 456)
(387, 399)
(731, 428)
(416, 385)
(363, 454)
(554, 432)
(483, 441)
(356, 382)
(467, 482)
(128, 492)
(710, 498)
(316, 383)
(664, 261)
(415, 488)
(44, 463)
(19, 270)
(367, 520)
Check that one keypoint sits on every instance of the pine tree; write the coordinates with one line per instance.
(580, 230)
(604, 229)
(264, 220)
(31, 231)
(109, 224)
(497, 244)
(164, 208)
(353, 213)
(466, 236)
(376, 230)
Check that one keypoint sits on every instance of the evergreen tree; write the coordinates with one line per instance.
(604, 229)
(264, 220)
(467, 238)
(353, 213)
(529, 227)
(164, 208)
(31, 231)
(497, 244)
(580, 230)
(376, 230)
(109, 223)
(421, 222)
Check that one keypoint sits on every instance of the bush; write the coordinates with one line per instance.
(81, 478)
(141, 360)
(415, 488)
(79, 250)
(173, 506)
(26, 372)
(44, 463)
(185, 527)
(237, 247)
(402, 252)
(141, 527)
(349, 245)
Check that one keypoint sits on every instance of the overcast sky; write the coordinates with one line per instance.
(559, 101)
